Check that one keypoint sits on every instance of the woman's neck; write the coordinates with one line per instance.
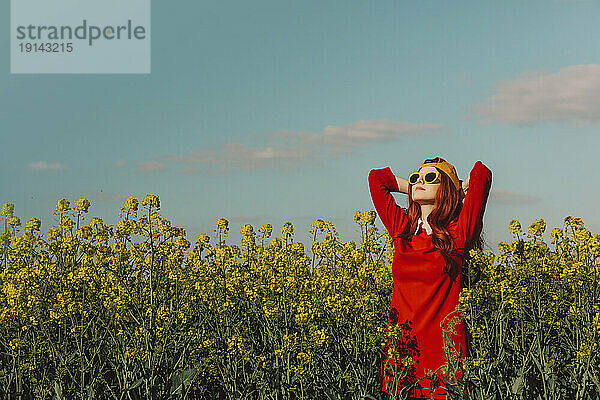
(426, 209)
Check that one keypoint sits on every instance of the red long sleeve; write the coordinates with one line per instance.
(381, 183)
(423, 293)
(470, 220)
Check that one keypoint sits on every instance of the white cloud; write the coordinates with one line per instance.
(362, 132)
(189, 170)
(44, 166)
(151, 166)
(341, 138)
(301, 147)
(234, 155)
(120, 163)
(110, 197)
(570, 95)
(500, 196)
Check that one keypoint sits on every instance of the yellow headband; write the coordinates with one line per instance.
(447, 168)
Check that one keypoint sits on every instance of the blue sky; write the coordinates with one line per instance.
(274, 111)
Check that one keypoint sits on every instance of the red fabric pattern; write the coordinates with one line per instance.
(423, 294)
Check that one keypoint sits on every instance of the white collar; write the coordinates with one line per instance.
(425, 225)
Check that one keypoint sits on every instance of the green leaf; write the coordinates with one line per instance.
(517, 385)
(58, 391)
(182, 380)
(136, 384)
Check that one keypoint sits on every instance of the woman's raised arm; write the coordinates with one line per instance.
(402, 185)
(381, 183)
(478, 186)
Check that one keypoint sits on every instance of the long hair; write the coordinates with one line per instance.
(447, 206)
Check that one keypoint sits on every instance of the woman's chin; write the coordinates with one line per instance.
(422, 201)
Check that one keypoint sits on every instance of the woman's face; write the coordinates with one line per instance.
(424, 193)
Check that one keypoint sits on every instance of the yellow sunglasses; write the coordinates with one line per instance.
(428, 177)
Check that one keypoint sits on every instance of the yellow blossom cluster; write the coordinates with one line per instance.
(131, 292)
(534, 314)
(157, 316)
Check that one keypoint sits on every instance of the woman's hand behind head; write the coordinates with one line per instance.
(465, 187)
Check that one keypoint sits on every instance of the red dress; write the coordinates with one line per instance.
(423, 293)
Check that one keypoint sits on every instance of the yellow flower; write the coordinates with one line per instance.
(537, 228)
(408, 360)
(33, 224)
(366, 218)
(320, 337)
(62, 205)
(514, 226)
(131, 204)
(96, 221)
(275, 244)
(318, 225)
(556, 235)
(304, 358)
(265, 230)
(151, 200)
(222, 223)
(287, 229)
(301, 318)
(13, 221)
(247, 230)
(82, 205)
(202, 239)
(7, 209)
(66, 222)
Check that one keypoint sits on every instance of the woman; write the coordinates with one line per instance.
(432, 239)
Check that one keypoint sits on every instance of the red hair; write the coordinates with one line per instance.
(447, 206)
